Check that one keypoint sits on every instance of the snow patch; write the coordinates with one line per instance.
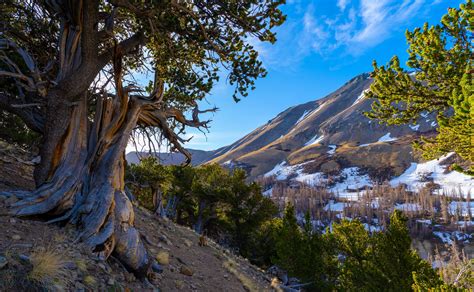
(332, 149)
(350, 185)
(335, 206)
(461, 208)
(360, 97)
(424, 221)
(414, 127)
(268, 193)
(353, 181)
(386, 138)
(408, 207)
(314, 140)
(372, 228)
(418, 175)
(280, 171)
(306, 112)
(444, 236)
(317, 109)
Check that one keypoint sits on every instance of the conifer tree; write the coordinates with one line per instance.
(439, 80)
(289, 242)
(246, 210)
(354, 249)
(59, 57)
(149, 179)
(383, 261)
(395, 259)
(303, 253)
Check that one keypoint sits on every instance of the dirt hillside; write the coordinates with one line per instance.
(35, 256)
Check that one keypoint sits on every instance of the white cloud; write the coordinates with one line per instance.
(351, 29)
(363, 26)
(342, 4)
(315, 35)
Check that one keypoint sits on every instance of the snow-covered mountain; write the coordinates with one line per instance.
(330, 140)
(328, 134)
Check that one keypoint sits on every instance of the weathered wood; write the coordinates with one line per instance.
(87, 187)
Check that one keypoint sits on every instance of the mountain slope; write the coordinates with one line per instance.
(328, 134)
(189, 266)
(171, 158)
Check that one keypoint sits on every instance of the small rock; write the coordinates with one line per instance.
(70, 265)
(226, 276)
(79, 286)
(179, 284)
(16, 237)
(147, 284)
(3, 262)
(12, 220)
(163, 258)
(129, 277)
(154, 278)
(110, 282)
(58, 287)
(187, 242)
(24, 258)
(180, 260)
(186, 271)
(165, 239)
(157, 268)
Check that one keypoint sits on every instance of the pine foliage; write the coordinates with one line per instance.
(438, 80)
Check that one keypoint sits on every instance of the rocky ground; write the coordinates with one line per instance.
(35, 256)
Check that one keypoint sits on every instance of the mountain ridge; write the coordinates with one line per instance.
(330, 143)
(335, 124)
(328, 131)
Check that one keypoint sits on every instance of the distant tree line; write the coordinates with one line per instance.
(343, 257)
(209, 198)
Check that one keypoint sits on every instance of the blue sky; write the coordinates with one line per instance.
(322, 45)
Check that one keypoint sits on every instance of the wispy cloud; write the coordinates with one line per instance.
(342, 4)
(366, 24)
(348, 28)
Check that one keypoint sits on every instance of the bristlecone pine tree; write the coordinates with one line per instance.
(58, 61)
(441, 81)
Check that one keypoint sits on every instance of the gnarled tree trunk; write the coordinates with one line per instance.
(80, 178)
(85, 185)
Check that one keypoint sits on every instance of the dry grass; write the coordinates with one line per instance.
(247, 283)
(455, 267)
(59, 237)
(47, 267)
(90, 281)
(81, 265)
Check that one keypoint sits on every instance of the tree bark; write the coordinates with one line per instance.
(84, 184)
